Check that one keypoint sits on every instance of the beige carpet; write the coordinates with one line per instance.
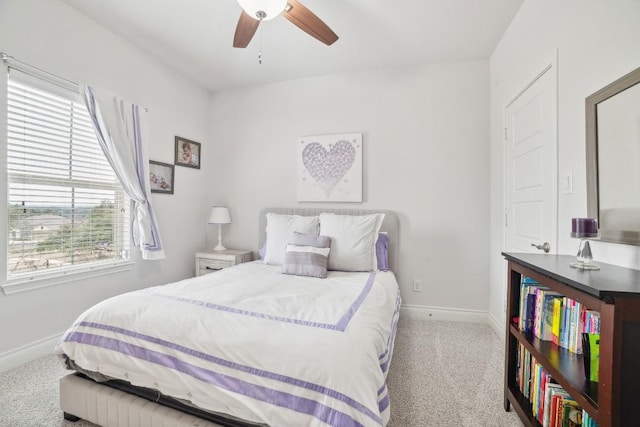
(446, 374)
(442, 374)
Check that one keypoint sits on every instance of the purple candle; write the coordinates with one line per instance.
(584, 227)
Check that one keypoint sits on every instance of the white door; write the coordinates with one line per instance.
(531, 166)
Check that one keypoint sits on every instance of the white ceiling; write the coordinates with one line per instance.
(195, 36)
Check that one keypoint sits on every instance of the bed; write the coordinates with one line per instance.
(249, 345)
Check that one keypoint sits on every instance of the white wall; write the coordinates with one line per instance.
(51, 36)
(596, 42)
(425, 132)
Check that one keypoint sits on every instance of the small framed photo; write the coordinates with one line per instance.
(161, 177)
(187, 153)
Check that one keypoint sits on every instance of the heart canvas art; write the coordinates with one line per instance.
(330, 168)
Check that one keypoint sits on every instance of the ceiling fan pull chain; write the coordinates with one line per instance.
(260, 45)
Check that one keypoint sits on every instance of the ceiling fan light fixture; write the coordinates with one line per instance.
(263, 10)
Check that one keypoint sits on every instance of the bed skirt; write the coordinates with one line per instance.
(107, 406)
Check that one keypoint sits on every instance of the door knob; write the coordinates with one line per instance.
(546, 247)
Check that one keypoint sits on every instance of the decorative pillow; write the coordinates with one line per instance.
(382, 251)
(307, 255)
(353, 240)
(280, 229)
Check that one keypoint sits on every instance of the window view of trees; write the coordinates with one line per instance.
(48, 237)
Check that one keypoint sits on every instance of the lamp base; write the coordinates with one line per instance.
(219, 246)
(583, 266)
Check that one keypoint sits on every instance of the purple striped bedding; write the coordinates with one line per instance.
(253, 343)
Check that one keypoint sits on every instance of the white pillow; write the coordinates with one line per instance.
(353, 240)
(280, 229)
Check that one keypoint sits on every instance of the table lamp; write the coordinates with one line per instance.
(584, 228)
(219, 215)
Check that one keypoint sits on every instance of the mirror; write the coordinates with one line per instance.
(613, 159)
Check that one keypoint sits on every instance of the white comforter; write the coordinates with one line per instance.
(251, 342)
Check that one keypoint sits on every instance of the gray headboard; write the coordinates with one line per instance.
(389, 225)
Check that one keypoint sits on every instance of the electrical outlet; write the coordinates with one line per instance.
(417, 285)
(567, 182)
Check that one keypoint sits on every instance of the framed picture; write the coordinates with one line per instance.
(161, 177)
(187, 153)
(330, 168)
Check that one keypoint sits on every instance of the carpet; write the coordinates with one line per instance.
(443, 374)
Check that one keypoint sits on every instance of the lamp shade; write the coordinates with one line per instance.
(219, 215)
(263, 9)
(584, 228)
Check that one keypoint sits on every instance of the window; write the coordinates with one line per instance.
(66, 208)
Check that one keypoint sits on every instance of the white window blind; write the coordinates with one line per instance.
(66, 208)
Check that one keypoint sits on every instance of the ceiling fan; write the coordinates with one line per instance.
(256, 11)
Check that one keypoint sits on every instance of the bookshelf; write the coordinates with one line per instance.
(612, 291)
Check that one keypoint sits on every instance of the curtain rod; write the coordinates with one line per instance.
(11, 62)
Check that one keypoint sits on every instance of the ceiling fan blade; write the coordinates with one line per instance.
(245, 30)
(304, 19)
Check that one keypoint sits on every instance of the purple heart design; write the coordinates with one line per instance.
(328, 167)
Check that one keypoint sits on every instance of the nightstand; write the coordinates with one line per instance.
(212, 261)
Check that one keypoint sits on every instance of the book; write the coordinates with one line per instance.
(528, 378)
(587, 421)
(553, 410)
(571, 413)
(530, 306)
(564, 329)
(579, 328)
(572, 325)
(594, 357)
(546, 314)
(527, 288)
(535, 387)
(586, 356)
(549, 392)
(555, 418)
(545, 380)
(557, 319)
(592, 322)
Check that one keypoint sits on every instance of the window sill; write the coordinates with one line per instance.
(26, 284)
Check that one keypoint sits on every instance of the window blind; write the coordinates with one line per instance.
(66, 208)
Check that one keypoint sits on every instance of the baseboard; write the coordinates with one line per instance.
(441, 313)
(21, 355)
(497, 327)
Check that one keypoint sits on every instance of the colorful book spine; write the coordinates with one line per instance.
(570, 320)
(564, 342)
(527, 286)
(591, 322)
(565, 322)
(550, 391)
(571, 413)
(530, 313)
(594, 357)
(572, 325)
(538, 310)
(551, 405)
(555, 416)
(557, 319)
(547, 315)
(587, 421)
(578, 327)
